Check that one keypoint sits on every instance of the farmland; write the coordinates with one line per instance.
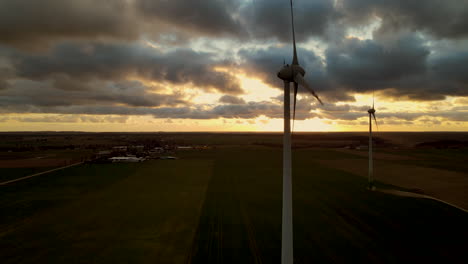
(103, 213)
(223, 205)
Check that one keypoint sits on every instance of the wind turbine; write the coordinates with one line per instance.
(293, 73)
(371, 112)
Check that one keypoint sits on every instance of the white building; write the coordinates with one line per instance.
(126, 159)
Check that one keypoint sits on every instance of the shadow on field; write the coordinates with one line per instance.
(335, 218)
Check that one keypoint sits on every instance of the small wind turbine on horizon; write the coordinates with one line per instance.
(293, 73)
(371, 112)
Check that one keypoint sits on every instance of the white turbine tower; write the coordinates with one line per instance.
(371, 165)
(293, 73)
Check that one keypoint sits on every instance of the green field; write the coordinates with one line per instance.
(220, 206)
(31, 161)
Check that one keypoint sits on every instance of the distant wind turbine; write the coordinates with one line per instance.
(293, 73)
(371, 165)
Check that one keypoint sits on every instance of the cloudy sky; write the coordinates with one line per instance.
(210, 65)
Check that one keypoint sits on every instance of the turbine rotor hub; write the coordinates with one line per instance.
(371, 111)
(288, 72)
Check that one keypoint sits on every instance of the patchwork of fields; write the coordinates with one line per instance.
(221, 206)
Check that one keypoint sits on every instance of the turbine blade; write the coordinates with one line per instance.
(300, 80)
(296, 86)
(373, 92)
(375, 119)
(295, 61)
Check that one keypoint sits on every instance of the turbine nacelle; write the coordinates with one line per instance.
(289, 72)
(372, 114)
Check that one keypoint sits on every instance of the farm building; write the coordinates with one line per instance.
(126, 159)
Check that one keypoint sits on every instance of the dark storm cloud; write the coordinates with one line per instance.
(254, 19)
(6, 72)
(334, 108)
(25, 94)
(334, 94)
(117, 61)
(171, 107)
(4, 84)
(341, 112)
(365, 65)
(208, 17)
(130, 98)
(249, 110)
(229, 99)
(304, 108)
(403, 68)
(94, 47)
(451, 66)
(265, 63)
(352, 113)
(39, 24)
(272, 19)
(36, 24)
(446, 75)
(441, 18)
(32, 23)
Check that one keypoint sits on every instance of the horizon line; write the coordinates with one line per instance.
(220, 132)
